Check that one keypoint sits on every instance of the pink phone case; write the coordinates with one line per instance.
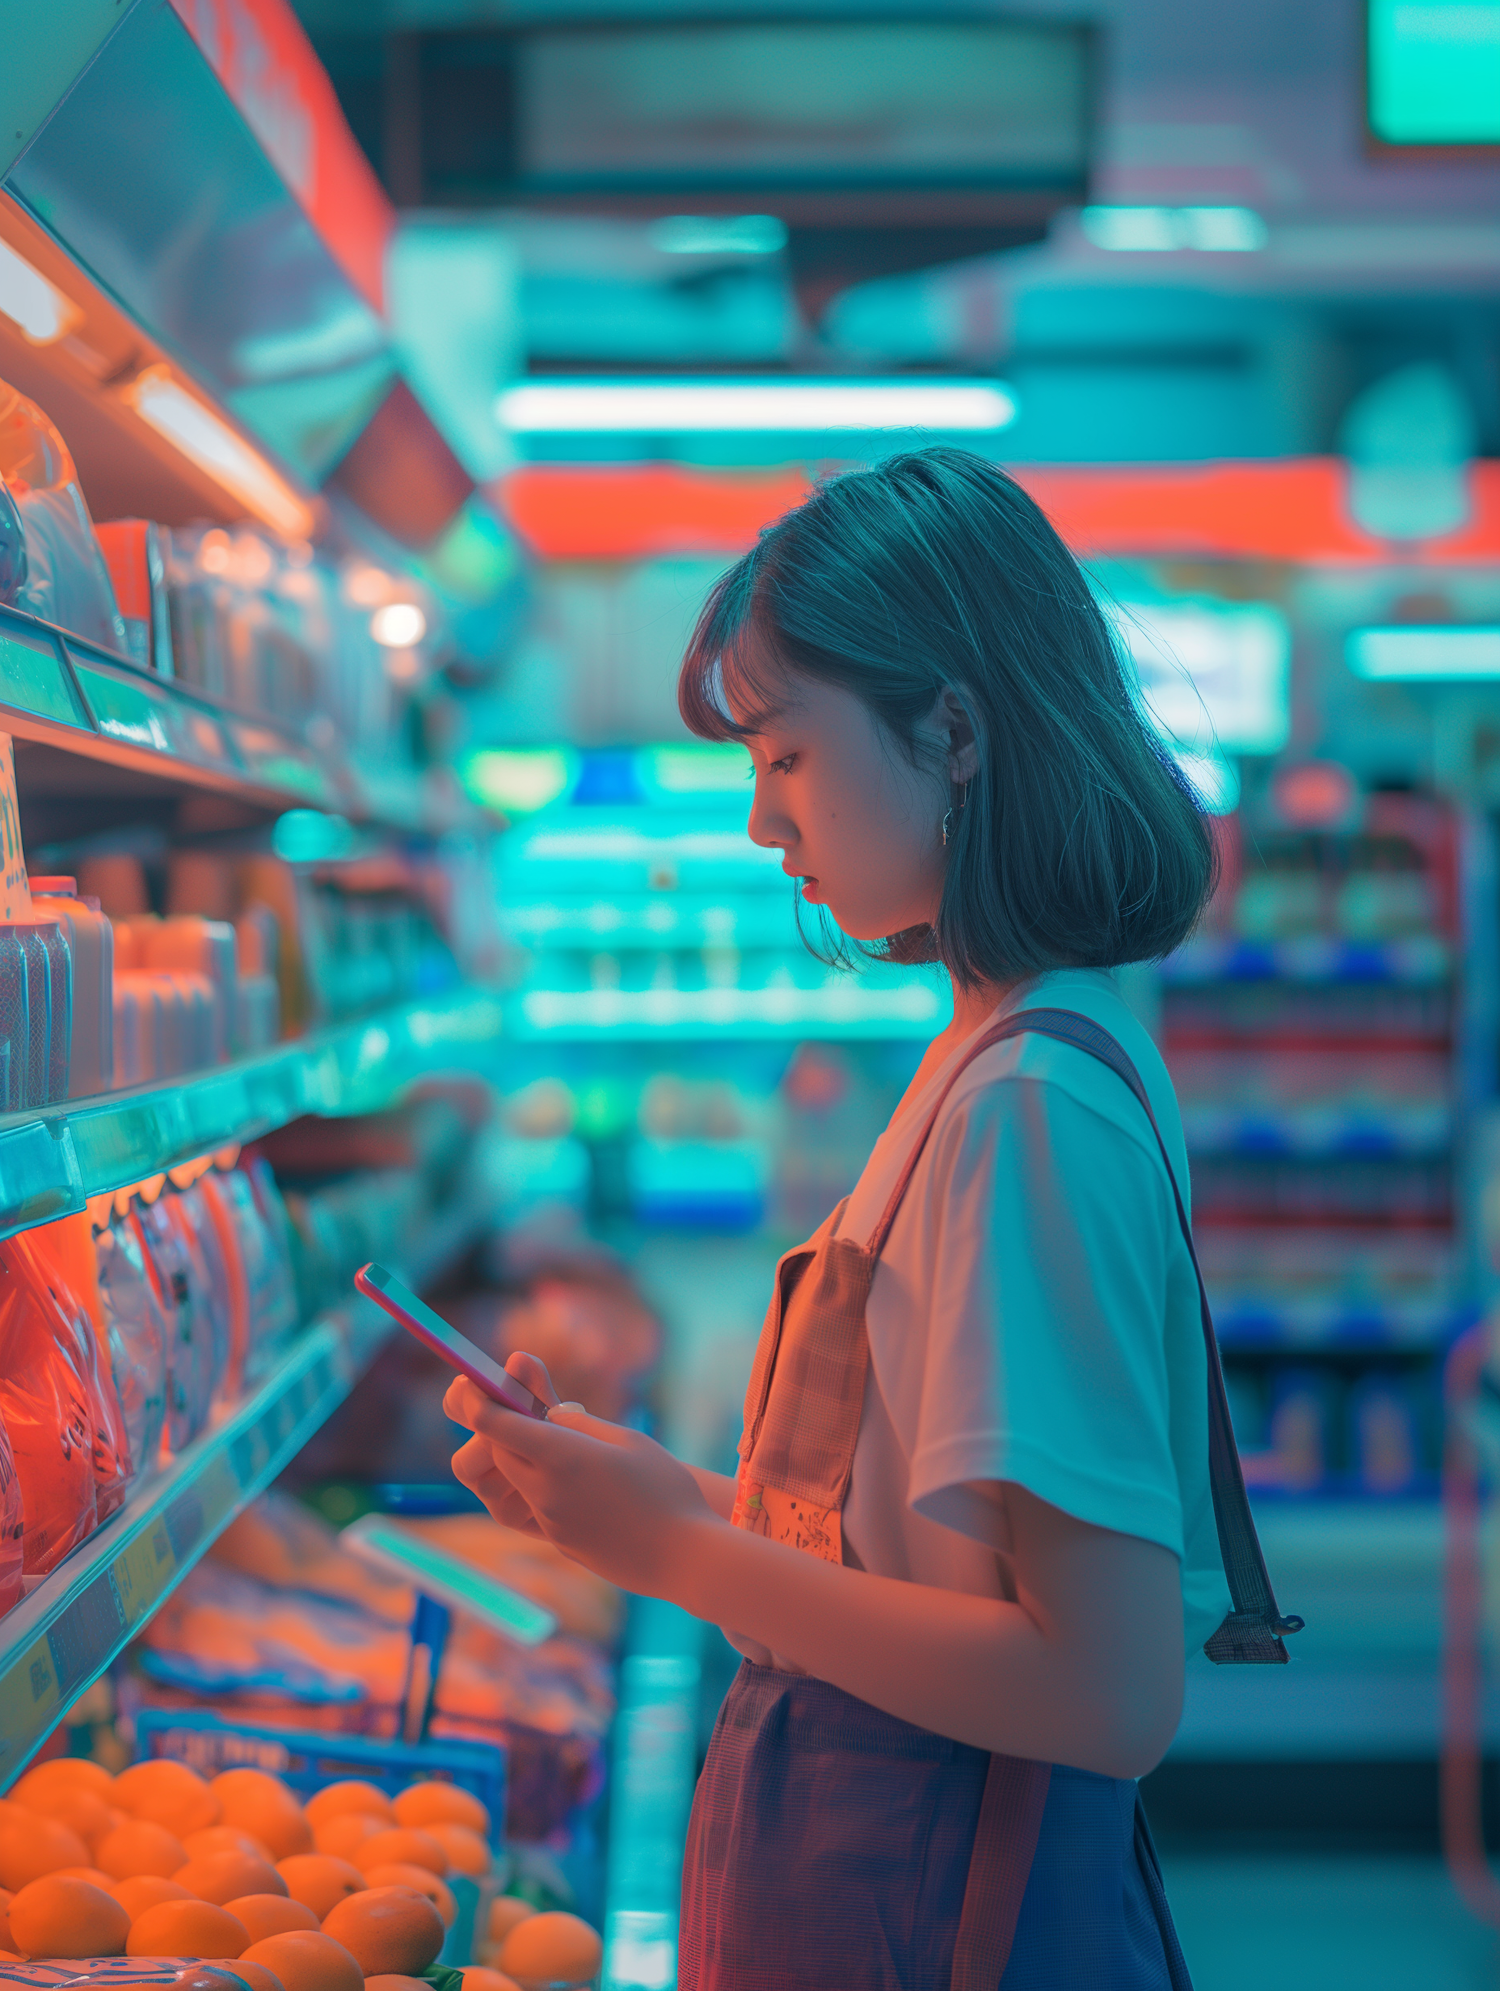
(418, 1318)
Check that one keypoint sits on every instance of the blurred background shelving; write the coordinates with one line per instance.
(373, 425)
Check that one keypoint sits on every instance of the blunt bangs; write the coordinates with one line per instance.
(1082, 844)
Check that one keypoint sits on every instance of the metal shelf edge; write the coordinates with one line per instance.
(75, 1623)
(58, 1641)
(51, 1162)
(178, 734)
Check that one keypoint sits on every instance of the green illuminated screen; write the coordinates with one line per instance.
(1434, 75)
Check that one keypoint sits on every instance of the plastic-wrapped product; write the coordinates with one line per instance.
(51, 1403)
(232, 1246)
(194, 1220)
(67, 581)
(138, 1331)
(91, 945)
(12, 548)
(190, 1378)
(275, 1313)
(12, 1527)
(61, 1256)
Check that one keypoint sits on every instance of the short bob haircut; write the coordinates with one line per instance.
(1080, 843)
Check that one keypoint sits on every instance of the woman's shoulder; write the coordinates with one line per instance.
(1065, 1071)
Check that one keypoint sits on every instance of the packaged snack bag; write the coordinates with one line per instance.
(216, 1204)
(138, 1333)
(49, 1398)
(61, 1257)
(188, 1211)
(12, 1527)
(274, 1309)
(190, 1336)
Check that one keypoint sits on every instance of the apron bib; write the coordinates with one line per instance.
(790, 1781)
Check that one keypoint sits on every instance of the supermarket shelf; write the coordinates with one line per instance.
(1331, 1130)
(77, 710)
(77, 1621)
(63, 1636)
(1422, 960)
(52, 1162)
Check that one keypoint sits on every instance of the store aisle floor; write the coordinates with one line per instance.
(1342, 1923)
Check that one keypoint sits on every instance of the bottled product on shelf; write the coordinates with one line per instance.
(1311, 1035)
(90, 939)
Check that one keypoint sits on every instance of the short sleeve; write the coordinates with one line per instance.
(1042, 1236)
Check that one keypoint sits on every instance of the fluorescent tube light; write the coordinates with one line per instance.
(519, 780)
(1235, 229)
(651, 407)
(718, 234)
(38, 307)
(207, 440)
(1415, 652)
(909, 1004)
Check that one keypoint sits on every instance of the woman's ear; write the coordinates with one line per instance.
(963, 743)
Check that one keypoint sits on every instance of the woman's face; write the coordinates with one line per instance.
(857, 823)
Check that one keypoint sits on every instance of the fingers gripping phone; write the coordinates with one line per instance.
(387, 1291)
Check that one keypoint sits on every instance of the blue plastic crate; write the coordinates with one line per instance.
(307, 1759)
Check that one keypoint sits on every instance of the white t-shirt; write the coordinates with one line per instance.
(1034, 1316)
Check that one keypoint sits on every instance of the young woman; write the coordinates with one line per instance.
(971, 1536)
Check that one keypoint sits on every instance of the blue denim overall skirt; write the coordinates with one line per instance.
(836, 1848)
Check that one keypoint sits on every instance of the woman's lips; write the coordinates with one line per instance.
(810, 889)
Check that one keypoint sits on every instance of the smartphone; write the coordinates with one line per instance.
(387, 1291)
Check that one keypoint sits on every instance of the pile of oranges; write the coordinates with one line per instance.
(346, 1892)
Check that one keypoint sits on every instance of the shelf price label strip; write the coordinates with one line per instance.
(50, 1165)
(133, 1562)
(60, 690)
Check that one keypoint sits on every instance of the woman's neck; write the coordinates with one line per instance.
(972, 1005)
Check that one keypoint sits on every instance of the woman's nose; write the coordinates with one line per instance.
(769, 827)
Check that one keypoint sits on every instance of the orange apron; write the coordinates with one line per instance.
(802, 1412)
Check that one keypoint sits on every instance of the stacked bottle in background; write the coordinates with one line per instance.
(98, 990)
(1310, 1034)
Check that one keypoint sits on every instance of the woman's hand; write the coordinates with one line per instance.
(607, 1496)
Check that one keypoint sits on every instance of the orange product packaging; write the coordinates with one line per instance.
(237, 1283)
(60, 1413)
(64, 1257)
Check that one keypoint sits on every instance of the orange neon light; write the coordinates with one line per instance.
(1293, 509)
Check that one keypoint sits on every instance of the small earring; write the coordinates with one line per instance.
(947, 826)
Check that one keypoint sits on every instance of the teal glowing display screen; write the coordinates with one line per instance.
(1434, 72)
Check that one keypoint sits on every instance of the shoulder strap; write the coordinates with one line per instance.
(982, 1043)
(1252, 1633)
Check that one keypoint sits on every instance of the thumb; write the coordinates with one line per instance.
(532, 1372)
(573, 1417)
